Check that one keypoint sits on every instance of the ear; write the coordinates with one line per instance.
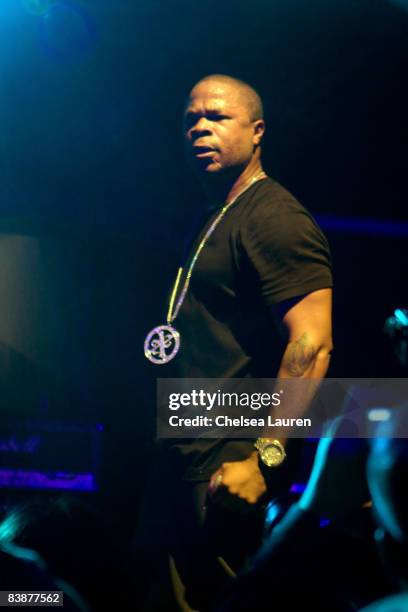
(259, 130)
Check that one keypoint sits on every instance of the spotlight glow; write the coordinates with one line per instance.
(66, 32)
(39, 8)
(379, 414)
(401, 316)
(401, 4)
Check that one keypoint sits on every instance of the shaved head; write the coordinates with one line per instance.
(223, 127)
(247, 94)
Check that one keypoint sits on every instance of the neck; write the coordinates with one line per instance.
(226, 188)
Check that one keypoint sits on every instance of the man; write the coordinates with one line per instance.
(259, 266)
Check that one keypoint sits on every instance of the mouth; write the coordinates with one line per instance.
(201, 152)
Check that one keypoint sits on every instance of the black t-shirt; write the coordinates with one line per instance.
(266, 249)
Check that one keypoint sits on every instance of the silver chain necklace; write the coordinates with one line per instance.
(162, 343)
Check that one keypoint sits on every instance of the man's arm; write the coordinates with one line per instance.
(308, 326)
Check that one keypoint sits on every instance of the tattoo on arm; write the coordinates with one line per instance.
(299, 356)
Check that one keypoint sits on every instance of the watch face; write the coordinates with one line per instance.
(272, 455)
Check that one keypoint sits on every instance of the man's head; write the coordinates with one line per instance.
(223, 126)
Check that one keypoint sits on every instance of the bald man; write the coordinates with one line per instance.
(258, 305)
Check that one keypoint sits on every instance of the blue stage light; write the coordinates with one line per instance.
(9, 528)
(66, 32)
(401, 316)
(401, 4)
(37, 7)
(272, 512)
(378, 415)
(369, 227)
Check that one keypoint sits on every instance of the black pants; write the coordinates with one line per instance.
(178, 518)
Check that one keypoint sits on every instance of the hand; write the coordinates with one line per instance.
(241, 478)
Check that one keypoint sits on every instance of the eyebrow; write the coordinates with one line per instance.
(208, 111)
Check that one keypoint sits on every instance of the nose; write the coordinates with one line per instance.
(201, 127)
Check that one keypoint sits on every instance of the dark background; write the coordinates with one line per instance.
(96, 198)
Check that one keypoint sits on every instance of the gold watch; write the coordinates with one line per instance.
(271, 452)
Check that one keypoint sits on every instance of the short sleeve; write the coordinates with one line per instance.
(288, 253)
